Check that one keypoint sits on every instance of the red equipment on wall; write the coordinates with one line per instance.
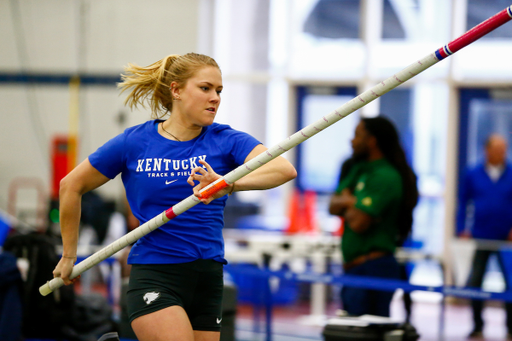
(63, 160)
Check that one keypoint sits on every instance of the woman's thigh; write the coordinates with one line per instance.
(200, 335)
(169, 324)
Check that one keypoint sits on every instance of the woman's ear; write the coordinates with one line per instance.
(175, 90)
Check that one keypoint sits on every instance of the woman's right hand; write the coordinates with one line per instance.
(64, 269)
(206, 177)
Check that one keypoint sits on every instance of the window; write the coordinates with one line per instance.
(480, 10)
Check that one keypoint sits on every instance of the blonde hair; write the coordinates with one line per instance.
(152, 83)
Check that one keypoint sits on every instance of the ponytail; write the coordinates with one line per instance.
(151, 84)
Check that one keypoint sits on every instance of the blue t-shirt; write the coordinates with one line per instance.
(492, 201)
(154, 171)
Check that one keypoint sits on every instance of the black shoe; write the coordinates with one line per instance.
(113, 336)
(476, 334)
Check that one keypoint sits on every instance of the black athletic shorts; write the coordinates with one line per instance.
(196, 286)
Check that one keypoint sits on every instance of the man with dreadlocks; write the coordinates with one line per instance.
(376, 199)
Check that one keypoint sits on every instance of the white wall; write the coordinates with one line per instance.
(87, 36)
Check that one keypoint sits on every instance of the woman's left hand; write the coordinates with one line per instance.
(206, 177)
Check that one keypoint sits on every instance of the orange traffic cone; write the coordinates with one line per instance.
(294, 213)
(310, 225)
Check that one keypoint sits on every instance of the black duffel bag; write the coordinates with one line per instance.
(368, 328)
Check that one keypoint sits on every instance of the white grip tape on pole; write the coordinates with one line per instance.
(106, 252)
(289, 143)
(248, 167)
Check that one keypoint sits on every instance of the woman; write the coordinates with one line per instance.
(175, 290)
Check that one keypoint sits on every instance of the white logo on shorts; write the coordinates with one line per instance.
(149, 297)
(218, 320)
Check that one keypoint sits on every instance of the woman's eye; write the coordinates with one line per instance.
(219, 92)
(205, 88)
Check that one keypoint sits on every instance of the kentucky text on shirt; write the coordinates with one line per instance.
(155, 164)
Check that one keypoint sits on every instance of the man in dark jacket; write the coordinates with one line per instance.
(488, 188)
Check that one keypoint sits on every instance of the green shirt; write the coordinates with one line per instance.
(377, 186)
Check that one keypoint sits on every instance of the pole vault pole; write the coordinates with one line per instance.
(302, 135)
